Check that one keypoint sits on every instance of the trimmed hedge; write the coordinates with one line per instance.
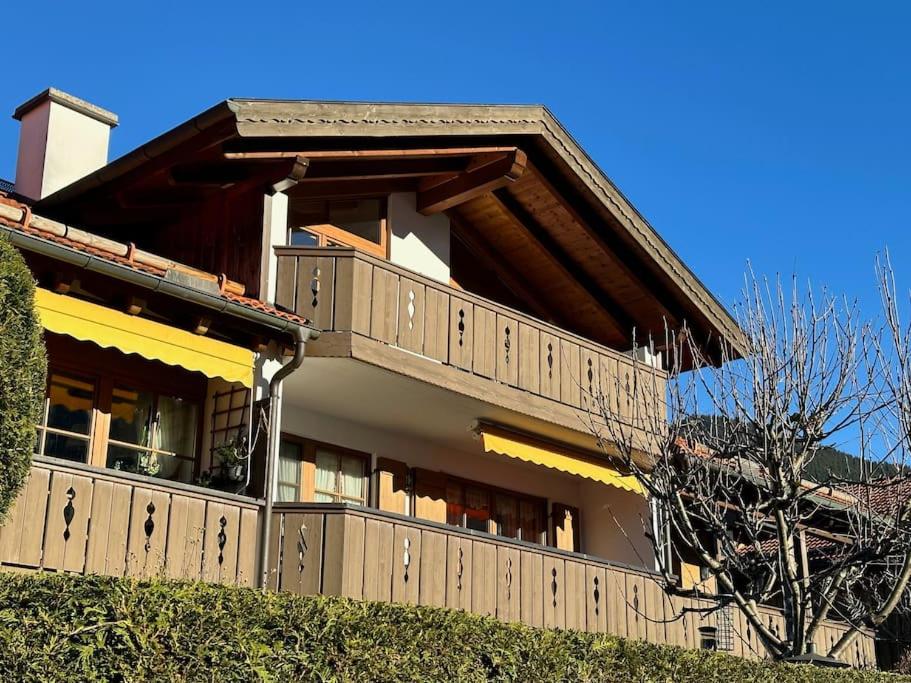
(71, 628)
(23, 368)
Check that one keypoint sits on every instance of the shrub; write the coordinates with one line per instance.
(23, 368)
(69, 628)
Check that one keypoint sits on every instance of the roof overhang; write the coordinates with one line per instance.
(257, 142)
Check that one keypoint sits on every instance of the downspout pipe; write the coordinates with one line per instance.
(302, 335)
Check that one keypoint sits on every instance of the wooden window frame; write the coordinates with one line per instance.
(308, 448)
(106, 369)
(42, 427)
(537, 501)
(329, 235)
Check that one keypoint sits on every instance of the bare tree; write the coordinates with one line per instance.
(722, 446)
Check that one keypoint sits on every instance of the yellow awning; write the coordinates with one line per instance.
(114, 329)
(552, 456)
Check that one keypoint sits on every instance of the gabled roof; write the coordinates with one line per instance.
(17, 218)
(585, 251)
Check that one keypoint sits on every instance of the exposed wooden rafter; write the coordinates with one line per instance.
(513, 281)
(134, 305)
(626, 259)
(295, 174)
(353, 187)
(475, 181)
(201, 325)
(356, 169)
(551, 249)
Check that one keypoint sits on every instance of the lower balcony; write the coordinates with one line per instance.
(362, 553)
(81, 519)
(86, 520)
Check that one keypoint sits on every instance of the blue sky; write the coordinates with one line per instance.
(776, 132)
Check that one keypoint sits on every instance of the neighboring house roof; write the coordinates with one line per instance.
(577, 210)
(881, 496)
(816, 546)
(17, 217)
(7, 186)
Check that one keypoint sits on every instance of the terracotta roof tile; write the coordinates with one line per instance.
(25, 223)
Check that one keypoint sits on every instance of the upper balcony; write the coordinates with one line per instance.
(394, 318)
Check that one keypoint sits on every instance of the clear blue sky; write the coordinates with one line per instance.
(778, 132)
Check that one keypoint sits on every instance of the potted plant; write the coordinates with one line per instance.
(232, 457)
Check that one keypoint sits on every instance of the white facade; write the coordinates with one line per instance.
(418, 242)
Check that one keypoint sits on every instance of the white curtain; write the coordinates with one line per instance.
(176, 426)
(326, 474)
(352, 477)
(289, 473)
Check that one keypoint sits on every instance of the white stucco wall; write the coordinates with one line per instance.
(418, 242)
(275, 233)
(614, 523)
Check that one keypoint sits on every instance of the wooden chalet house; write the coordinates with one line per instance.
(400, 311)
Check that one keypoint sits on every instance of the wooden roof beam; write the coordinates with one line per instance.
(481, 178)
(354, 168)
(551, 249)
(575, 206)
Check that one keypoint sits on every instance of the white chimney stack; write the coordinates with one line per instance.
(61, 139)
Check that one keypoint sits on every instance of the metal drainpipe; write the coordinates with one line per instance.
(302, 335)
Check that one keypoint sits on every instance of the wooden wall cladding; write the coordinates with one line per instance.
(77, 519)
(363, 554)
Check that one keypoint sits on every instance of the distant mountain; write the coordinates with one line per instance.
(828, 464)
(832, 463)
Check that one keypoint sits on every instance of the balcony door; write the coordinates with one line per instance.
(310, 471)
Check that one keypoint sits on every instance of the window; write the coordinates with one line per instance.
(290, 456)
(152, 434)
(504, 513)
(94, 415)
(65, 430)
(308, 470)
(359, 223)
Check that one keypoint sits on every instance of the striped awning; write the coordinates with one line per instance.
(109, 328)
(550, 455)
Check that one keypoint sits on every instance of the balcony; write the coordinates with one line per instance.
(393, 318)
(361, 553)
(87, 520)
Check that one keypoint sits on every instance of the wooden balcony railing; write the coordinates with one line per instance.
(336, 549)
(81, 519)
(346, 291)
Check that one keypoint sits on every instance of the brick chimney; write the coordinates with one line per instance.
(61, 139)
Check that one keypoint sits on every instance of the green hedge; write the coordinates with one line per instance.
(23, 368)
(70, 628)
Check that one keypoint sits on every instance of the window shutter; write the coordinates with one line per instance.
(308, 472)
(391, 478)
(430, 495)
(566, 527)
